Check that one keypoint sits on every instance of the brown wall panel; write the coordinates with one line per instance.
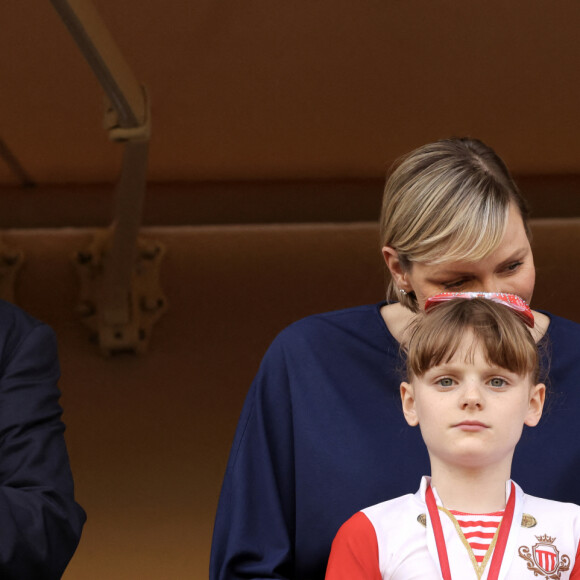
(251, 202)
(149, 435)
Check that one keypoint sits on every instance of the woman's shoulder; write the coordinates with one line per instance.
(559, 324)
(562, 337)
(351, 336)
(358, 321)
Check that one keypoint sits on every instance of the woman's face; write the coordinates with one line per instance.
(510, 269)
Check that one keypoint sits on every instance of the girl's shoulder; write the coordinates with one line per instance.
(399, 510)
(549, 508)
(549, 525)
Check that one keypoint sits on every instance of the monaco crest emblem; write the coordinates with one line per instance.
(544, 559)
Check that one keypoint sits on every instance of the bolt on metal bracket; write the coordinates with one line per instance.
(120, 326)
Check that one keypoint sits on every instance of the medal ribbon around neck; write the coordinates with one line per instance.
(502, 538)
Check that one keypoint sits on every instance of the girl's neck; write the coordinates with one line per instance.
(475, 491)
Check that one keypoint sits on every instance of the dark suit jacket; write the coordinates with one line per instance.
(40, 522)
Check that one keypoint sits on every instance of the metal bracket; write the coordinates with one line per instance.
(127, 327)
(10, 262)
(120, 294)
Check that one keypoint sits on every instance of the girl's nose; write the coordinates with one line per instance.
(472, 397)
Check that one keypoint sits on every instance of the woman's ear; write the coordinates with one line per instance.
(537, 397)
(408, 400)
(391, 257)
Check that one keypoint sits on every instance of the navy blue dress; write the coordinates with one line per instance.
(322, 435)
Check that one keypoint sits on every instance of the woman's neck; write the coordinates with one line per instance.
(476, 491)
(541, 325)
(397, 318)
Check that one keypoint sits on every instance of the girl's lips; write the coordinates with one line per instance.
(471, 426)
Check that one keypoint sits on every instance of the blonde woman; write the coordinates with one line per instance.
(321, 434)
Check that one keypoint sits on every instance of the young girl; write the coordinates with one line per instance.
(473, 371)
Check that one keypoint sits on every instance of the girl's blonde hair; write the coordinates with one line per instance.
(444, 202)
(435, 337)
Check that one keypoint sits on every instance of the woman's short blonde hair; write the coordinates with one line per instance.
(447, 201)
(435, 337)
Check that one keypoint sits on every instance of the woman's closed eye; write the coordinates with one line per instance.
(513, 267)
(455, 284)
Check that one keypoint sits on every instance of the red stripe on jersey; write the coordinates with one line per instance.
(479, 546)
(476, 523)
(489, 535)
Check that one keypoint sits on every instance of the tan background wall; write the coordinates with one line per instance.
(149, 435)
(267, 111)
(332, 89)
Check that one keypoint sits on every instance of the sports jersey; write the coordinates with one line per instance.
(395, 540)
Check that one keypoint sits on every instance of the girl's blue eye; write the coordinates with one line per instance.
(445, 382)
(497, 382)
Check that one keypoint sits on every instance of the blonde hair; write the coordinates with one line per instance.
(444, 202)
(434, 338)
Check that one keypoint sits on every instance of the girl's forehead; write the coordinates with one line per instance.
(469, 347)
(472, 352)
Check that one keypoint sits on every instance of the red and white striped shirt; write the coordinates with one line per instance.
(479, 530)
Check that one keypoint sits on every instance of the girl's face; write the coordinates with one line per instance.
(471, 413)
(510, 269)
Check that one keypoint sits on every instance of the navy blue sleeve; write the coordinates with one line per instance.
(40, 522)
(253, 534)
(313, 446)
